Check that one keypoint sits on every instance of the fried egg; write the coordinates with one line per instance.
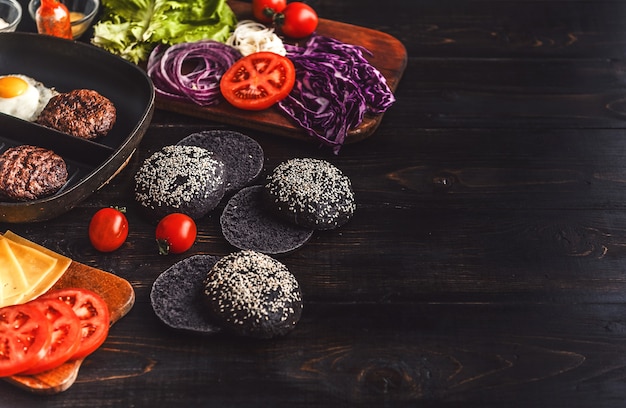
(23, 97)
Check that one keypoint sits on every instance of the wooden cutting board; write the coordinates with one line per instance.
(389, 57)
(119, 296)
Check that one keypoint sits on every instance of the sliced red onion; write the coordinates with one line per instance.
(191, 71)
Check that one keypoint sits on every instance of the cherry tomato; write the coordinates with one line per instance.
(297, 20)
(258, 81)
(108, 229)
(24, 338)
(175, 233)
(64, 334)
(93, 314)
(264, 10)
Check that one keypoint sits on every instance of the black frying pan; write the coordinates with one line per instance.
(67, 65)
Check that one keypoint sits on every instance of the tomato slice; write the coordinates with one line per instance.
(93, 313)
(64, 334)
(258, 81)
(24, 338)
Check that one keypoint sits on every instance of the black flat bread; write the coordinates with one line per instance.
(177, 295)
(242, 156)
(247, 225)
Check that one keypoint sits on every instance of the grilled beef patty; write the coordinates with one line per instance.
(81, 112)
(31, 172)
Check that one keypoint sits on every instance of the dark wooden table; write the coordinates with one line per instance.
(485, 265)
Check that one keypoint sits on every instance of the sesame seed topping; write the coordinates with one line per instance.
(258, 289)
(178, 175)
(313, 188)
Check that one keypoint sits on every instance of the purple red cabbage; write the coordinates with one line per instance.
(335, 88)
(191, 71)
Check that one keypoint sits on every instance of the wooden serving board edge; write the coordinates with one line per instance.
(389, 56)
(119, 295)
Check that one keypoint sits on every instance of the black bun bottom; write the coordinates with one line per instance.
(252, 294)
(311, 193)
(177, 295)
(242, 156)
(247, 225)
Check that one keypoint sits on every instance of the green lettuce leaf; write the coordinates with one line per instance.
(132, 28)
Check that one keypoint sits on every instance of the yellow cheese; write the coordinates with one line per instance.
(40, 267)
(12, 279)
(20, 240)
(35, 264)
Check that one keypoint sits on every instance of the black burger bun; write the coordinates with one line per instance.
(252, 294)
(311, 193)
(186, 179)
(246, 224)
(242, 156)
(177, 295)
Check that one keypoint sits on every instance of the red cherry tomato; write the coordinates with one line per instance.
(264, 10)
(297, 20)
(24, 338)
(108, 229)
(93, 315)
(258, 81)
(175, 233)
(64, 335)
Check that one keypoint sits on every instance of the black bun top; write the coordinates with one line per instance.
(311, 193)
(253, 294)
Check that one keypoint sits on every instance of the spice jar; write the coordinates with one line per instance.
(53, 18)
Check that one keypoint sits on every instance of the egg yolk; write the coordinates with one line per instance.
(11, 86)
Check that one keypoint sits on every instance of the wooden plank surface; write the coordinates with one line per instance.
(485, 263)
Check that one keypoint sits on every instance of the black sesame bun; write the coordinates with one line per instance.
(242, 156)
(311, 193)
(187, 179)
(252, 294)
(246, 224)
(177, 295)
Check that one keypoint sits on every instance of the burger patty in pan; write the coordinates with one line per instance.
(82, 113)
(31, 172)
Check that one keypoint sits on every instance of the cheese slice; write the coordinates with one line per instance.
(35, 264)
(21, 240)
(12, 279)
(40, 267)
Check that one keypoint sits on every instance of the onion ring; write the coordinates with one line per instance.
(191, 71)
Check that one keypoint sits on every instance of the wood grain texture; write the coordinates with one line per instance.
(485, 263)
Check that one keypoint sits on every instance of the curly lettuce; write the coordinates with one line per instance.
(133, 28)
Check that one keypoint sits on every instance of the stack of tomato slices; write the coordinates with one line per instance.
(61, 325)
